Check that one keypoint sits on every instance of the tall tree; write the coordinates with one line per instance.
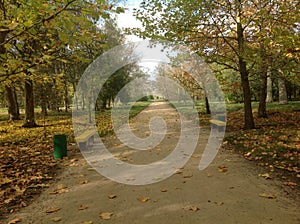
(33, 32)
(228, 33)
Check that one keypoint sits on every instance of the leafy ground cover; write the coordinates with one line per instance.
(274, 144)
(26, 155)
(27, 164)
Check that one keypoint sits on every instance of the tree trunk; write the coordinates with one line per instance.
(269, 90)
(207, 106)
(29, 105)
(282, 91)
(66, 95)
(248, 115)
(262, 107)
(13, 106)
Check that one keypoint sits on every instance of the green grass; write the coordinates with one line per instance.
(274, 106)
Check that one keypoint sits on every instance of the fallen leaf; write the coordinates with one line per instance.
(61, 191)
(83, 182)
(290, 184)
(178, 172)
(188, 176)
(14, 221)
(265, 175)
(164, 190)
(219, 203)
(91, 169)
(52, 210)
(56, 219)
(194, 208)
(83, 207)
(269, 196)
(60, 186)
(222, 169)
(195, 156)
(143, 199)
(209, 175)
(106, 215)
(87, 222)
(112, 196)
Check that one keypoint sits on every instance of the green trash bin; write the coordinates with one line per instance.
(60, 146)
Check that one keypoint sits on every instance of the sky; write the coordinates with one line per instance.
(127, 20)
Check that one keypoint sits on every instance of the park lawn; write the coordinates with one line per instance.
(26, 155)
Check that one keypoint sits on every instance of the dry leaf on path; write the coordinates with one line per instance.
(209, 175)
(83, 182)
(188, 176)
(219, 203)
(195, 156)
(194, 208)
(51, 210)
(222, 169)
(83, 207)
(164, 190)
(143, 199)
(269, 196)
(87, 222)
(265, 175)
(290, 184)
(112, 196)
(56, 219)
(14, 221)
(60, 191)
(106, 215)
(61, 186)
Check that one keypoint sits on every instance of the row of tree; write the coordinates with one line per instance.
(46, 45)
(256, 39)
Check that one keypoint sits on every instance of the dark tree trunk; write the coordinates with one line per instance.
(248, 115)
(13, 106)
(29, 105)
(207, 106)
(262, 107)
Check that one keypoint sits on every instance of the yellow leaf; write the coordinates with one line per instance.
(222, 169)
(194, 208)
(52, 210)
(83, 207)
(106, 215)
(87, 222)
(163, 190)
(83, 182)
(188, 176)
(143, 199)
(112, 196)
(14, 221)
(265, 175)
(56, 219)
(219, 203)
(269, 196)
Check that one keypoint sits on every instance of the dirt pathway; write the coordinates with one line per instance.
(226, 192)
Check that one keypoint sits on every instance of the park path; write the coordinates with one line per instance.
(226, 192)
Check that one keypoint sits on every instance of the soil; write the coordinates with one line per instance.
(229, 191)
